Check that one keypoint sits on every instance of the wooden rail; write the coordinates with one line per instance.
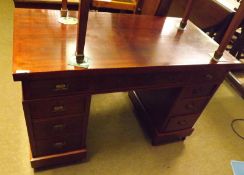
(239, 16)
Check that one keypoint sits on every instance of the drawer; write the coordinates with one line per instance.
(58, 145)
(208, 76)
(45, 88)
(124, 81)
(182, 122)
(188, 106)
(198, 91)
(57, 127)
(60, 106)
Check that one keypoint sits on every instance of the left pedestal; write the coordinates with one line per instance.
(56, 113)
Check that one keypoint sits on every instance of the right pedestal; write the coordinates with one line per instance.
(169, 114)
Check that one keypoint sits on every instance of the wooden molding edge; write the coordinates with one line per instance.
(59, 159)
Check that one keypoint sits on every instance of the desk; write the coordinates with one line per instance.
(167, 72)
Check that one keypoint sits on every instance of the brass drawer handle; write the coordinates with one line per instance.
(61, 87)
(59, 145)
(59, 127)
(59, 108)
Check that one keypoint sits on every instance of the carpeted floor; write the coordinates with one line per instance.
(116, 143)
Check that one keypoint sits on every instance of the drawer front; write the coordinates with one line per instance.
(57, 127)
(198, 91)
(45, 88)
(106, 82)
(60, 106)
(58, 145)
(188, 106)
(178, 123)
(209, 76)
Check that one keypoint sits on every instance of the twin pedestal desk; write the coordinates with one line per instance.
(168, 73)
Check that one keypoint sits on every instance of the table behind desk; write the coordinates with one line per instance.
(205, 13)
(167, 71)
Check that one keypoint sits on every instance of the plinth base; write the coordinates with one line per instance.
(236, 79)
(59, 159)
(156, 137)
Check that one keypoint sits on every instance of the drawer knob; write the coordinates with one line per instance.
(196, 91)
(59, 145)
(59, 108)
(190, 106)
(61, 87)
(58, 127)
(209, 77)
(183, 122)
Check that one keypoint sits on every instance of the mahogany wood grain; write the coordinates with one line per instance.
(126, 52)
(114, 42)
(59, 144)
(54, 127)
(53, 107)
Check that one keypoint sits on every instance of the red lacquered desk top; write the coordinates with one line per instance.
(113, 42)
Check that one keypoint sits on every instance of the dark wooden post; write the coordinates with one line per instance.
(163, 8)
(187, 13)
(64, 8)
(139, 6)
(81, 30)
(229, 32)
